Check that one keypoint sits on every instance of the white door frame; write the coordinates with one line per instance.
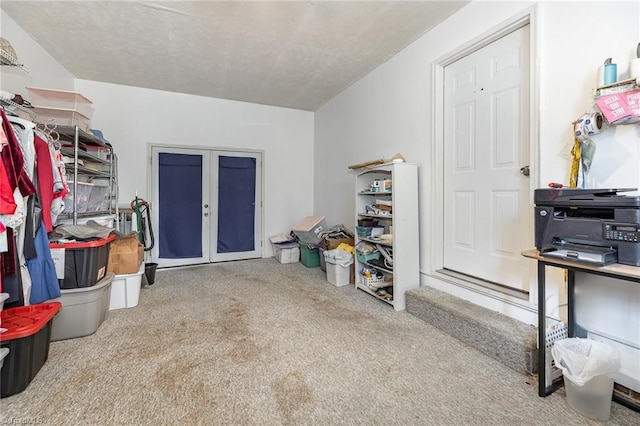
(436, 241)
(259, 236)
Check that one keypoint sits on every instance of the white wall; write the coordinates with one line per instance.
(608, 309)
(43, 70)
(575, 41)
(131, 118)
(390, 110)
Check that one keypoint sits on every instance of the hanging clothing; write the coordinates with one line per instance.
(24, 132)
(44, 281)
(13, 160)
(44, 172)
(30, 227)
(7, 203)
(23, 271)
(60, 185)
(11, 276)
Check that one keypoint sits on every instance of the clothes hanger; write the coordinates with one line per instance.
(48, 129)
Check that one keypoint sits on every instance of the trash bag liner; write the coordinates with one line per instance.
(583, 359)
(338, 257)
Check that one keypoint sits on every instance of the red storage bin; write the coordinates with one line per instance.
(27, 337)
(85, 263)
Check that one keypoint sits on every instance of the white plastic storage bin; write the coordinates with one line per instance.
(83, 310)
(338, 275)
(53, 98)
(125, 290)
(287, 252)
(97, 199)
(62, 117)
(84, 195)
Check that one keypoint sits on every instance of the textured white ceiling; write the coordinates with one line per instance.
(286, 53)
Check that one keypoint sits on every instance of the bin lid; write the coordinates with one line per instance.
(25, 321)
(83, 244)
(308, 224)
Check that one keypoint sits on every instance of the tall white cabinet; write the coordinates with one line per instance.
(388, 194)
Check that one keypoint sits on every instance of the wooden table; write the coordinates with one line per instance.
(617, 271)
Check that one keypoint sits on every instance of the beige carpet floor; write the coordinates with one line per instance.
(259, 343)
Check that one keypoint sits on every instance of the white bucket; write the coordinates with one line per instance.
(593, 399)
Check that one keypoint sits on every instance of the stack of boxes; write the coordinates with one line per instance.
(308, 232)
(126, 257)
(315, 240)
(86, 272)
(85, 285)
(61, 107)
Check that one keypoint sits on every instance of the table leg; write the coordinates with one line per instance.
(571, 281)
(542, 350)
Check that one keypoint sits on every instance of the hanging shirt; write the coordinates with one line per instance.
(13, 160)
(24, 132)
(44, 170)
(7, 202)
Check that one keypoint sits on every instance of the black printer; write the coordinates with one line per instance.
(596, 226)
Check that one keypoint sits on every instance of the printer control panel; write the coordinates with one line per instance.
(627, 232)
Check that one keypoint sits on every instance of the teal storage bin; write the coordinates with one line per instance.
(310, 257)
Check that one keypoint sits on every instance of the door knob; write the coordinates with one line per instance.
(524, 170)
(206, 214)
(206, 206)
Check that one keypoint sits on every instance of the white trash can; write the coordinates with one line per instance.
(588, 367)
(339, 263)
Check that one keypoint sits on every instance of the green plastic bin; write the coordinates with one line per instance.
(310, 257)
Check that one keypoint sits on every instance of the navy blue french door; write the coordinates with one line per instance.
(206, 205)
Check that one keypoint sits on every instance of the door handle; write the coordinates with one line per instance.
(206, 214)
(525, 171)
(206, 206)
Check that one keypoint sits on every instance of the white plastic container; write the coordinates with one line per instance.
(84, 195)
(338, 275)
(589, 367)
(62, 117)
(125, 290)
(104, 220)
(54, 98)
(593, 400)
(287, 252)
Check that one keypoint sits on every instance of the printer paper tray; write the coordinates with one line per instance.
(595, 255)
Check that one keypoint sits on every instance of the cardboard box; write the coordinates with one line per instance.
(125, 255)
(333, 243)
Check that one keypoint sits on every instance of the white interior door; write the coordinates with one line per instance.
(206, 205)
(487, 214)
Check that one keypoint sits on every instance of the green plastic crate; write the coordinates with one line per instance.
(364, 258)
(310, 257)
